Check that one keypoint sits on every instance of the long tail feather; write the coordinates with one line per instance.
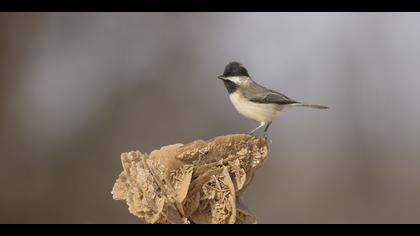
(310, 105)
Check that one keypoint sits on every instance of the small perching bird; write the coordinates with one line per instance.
(254, 101)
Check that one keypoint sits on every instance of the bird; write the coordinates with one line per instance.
(255, 101)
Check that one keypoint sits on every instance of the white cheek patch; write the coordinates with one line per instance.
(237, 79)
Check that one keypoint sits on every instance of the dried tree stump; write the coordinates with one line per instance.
(199, 182)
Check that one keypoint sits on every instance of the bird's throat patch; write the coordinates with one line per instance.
(230, 86)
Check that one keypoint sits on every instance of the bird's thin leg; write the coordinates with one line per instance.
(266, 127)
(265, 132)
(261, 125)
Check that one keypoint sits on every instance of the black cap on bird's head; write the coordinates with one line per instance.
(234, 69)
(233, 76)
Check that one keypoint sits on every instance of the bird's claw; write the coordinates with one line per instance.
(265, 136)
(267, 139)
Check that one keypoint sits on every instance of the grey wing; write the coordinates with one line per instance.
(273, 97)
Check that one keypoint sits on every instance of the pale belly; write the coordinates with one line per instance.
(255, 111)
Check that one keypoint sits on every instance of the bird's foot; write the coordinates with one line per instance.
(268, 139)
(264, 136)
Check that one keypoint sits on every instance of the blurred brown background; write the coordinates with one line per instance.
(77, 89)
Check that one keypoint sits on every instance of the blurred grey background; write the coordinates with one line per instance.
(78, 89)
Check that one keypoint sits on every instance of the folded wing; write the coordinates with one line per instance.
(260, 94)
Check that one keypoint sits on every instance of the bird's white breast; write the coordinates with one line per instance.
(255, 111)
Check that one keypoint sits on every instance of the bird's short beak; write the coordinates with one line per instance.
(221, 77)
